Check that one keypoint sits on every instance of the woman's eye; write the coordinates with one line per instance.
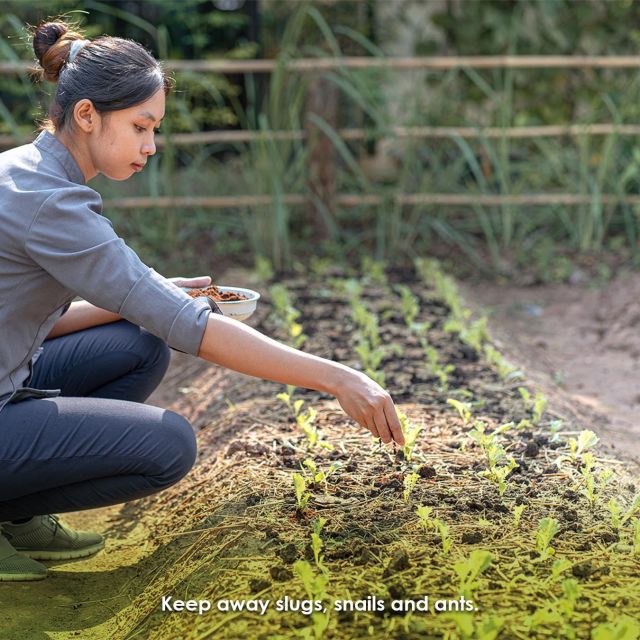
(156, 131)
(139, 128)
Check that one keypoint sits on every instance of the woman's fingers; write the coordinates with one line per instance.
(393, 421)
(381, 425)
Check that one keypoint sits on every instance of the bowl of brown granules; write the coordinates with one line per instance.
(235, 302)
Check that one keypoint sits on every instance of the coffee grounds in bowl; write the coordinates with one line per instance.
(219, 296)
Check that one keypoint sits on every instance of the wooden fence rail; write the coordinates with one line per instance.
(232, 137)
(354, 200)
(363, 62)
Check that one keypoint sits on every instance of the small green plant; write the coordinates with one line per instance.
(316, 589)
(586, 440)
(445, 536)
(463, 409)
(409, 305)
(547, 529)
(517, 513)
(636, 536)
(495, 453)
(302, 495)
(618, 519)
(469, 569)
(316, 476)
(434, 365)
(424, 517)
(589, 490)
(287, 314)
(286, 397)
(409, 483)
(506, 371)
(410, 432)
(317, 544)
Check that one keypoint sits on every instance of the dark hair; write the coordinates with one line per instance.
(113, 73)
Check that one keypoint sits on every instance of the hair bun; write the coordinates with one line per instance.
(51, 42)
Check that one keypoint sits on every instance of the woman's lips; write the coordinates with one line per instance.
(137, 167)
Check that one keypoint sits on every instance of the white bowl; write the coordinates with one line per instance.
(236, 309)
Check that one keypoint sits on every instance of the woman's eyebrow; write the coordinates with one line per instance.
(147, 115)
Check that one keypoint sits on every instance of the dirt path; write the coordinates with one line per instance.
(580, 344)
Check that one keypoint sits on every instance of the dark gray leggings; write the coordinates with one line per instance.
(96, 444)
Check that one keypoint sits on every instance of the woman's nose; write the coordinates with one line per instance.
(149, 148)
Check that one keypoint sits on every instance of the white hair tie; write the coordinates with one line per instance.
(76, 45)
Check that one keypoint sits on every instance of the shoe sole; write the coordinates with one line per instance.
(22, 577)
(67, 554)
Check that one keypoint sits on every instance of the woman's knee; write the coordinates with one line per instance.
(180, 446)
(156, 350)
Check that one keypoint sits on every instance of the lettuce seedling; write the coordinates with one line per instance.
(409, 304)
(586, 440)
(445, 537)
(317, 544)
(302, 495)
(547, 529)
(424, 514)
(316, 476)
(410, 481)
(463, 409)
(410, 432)
(517, 513)
(469, 569)
(618, 520)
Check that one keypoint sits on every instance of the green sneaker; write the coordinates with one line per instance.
(46, 538)
(14, 567)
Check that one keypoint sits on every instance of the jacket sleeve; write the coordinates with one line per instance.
(76, 245)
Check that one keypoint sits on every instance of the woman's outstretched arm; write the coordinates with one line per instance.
(236, 346)
(81, 315)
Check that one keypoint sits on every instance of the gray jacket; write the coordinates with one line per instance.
(55, 245)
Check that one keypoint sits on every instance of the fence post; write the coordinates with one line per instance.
(322, 100)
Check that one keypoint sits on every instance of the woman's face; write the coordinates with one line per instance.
(123, 140)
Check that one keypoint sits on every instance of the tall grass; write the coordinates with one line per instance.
(586, 164)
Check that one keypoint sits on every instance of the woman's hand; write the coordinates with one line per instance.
(197, 282)
(369, 405)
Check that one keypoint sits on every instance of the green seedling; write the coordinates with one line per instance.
(409, 483)
(558, 567)
(287, 314)
(547, 529)
(410, 432)
(317, 544)
(469, 569)
(589, 490)
(433, 362)
(624, 627)
(366, 321)
(506, 371)
(306, 422)
(302, 495)
(495, 454)
(315, 475)
(316, 589)
(463, 409)
(409, 305)
(424, 517)
(586, 440)
(618, 519)
(445, 537)
(375, 270)
(286, 397)
(517, 513)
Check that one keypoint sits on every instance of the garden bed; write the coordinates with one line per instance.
(512, 521)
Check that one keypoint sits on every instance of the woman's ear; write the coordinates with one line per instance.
(85, 115)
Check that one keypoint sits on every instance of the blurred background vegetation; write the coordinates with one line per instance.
(534, 243)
